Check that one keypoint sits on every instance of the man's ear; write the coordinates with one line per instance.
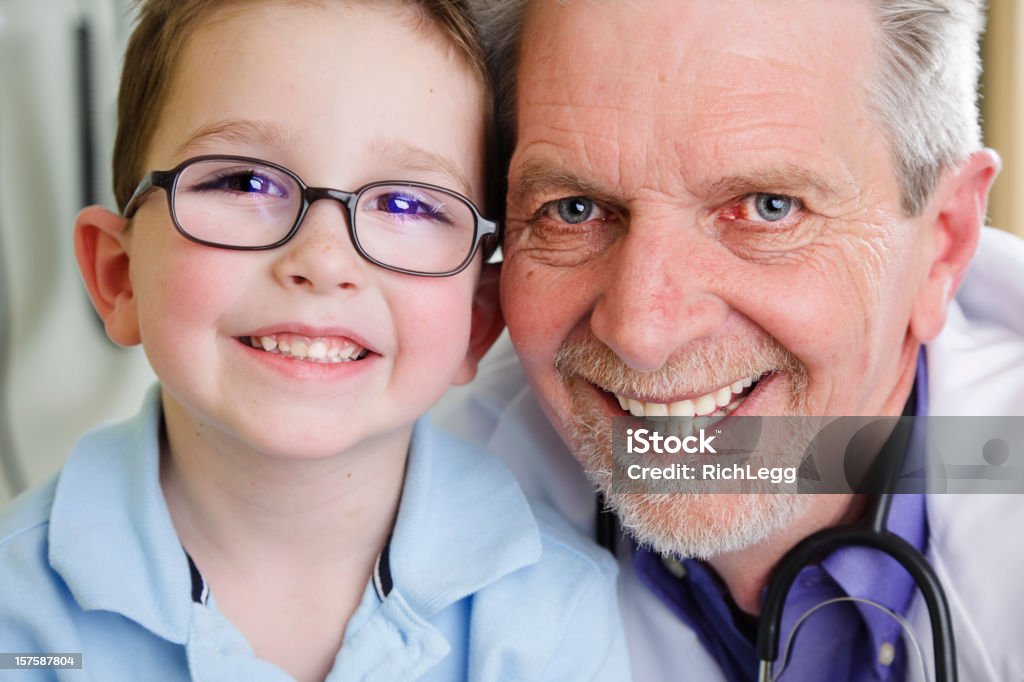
(957, 213)
(102, 255)
(487, 324)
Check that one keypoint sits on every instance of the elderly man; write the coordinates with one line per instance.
(781, 193)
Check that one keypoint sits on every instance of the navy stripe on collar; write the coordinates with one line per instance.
(200, 593)
(382, 581)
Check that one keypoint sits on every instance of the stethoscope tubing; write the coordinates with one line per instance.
(831, 539)
(874, 534)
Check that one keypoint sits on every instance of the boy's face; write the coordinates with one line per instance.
(343, 95)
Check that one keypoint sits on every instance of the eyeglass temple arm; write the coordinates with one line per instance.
(830, 539)
(491, 237)
(152, 180)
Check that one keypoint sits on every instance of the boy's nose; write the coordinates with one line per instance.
(321, 256)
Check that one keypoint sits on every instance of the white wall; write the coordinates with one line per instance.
(62, 374)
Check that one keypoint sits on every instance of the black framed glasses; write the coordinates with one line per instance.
(247, 204)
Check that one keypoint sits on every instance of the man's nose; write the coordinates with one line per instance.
(321, 257)
(660, 294)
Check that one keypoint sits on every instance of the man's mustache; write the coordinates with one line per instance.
(697, 368)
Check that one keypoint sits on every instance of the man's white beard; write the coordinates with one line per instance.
(698, 525)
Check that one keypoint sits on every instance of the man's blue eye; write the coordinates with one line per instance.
(575, 210)
(773, 207)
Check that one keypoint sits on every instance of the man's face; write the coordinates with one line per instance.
(701, 196)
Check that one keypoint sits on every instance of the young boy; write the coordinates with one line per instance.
(279, 508)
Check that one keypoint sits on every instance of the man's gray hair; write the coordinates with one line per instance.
(924, 94)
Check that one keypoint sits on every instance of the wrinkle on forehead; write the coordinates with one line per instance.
(653, 106)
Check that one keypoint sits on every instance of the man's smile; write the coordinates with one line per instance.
(719, 402)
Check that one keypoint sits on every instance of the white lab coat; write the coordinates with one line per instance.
(976, 367)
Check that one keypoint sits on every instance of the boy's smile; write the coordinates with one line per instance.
(322, 349)
(306, 350)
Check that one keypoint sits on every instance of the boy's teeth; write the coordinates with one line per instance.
(718, 403)
(317, 350)
(328, 350)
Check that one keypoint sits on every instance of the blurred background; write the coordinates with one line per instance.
(59, 65)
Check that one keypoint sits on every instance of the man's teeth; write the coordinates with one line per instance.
(718, 403)
(329, 350)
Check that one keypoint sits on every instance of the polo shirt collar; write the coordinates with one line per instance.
(463, 523)
(111, 537)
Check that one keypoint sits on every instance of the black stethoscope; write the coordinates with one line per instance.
(873, 532)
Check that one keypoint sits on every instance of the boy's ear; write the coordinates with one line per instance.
(958, 206)
(102, 255)
(487, 323)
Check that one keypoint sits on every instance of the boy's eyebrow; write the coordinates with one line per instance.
(417, 158)
(268, 134)
(238, 131)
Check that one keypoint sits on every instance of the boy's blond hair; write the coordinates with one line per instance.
(159, 37)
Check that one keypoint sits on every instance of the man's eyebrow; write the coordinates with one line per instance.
(786, 179)
(538, 176)
(238, 131)
(412, 157)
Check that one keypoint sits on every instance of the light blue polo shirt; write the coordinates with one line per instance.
(474, 585)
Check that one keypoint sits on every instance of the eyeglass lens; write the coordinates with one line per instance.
(244, 204)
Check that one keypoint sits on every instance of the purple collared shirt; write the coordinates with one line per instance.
(842, 642)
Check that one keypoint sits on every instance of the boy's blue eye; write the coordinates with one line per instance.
(246, 182)
(404, 204)
(399, 203)
(251, 183)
